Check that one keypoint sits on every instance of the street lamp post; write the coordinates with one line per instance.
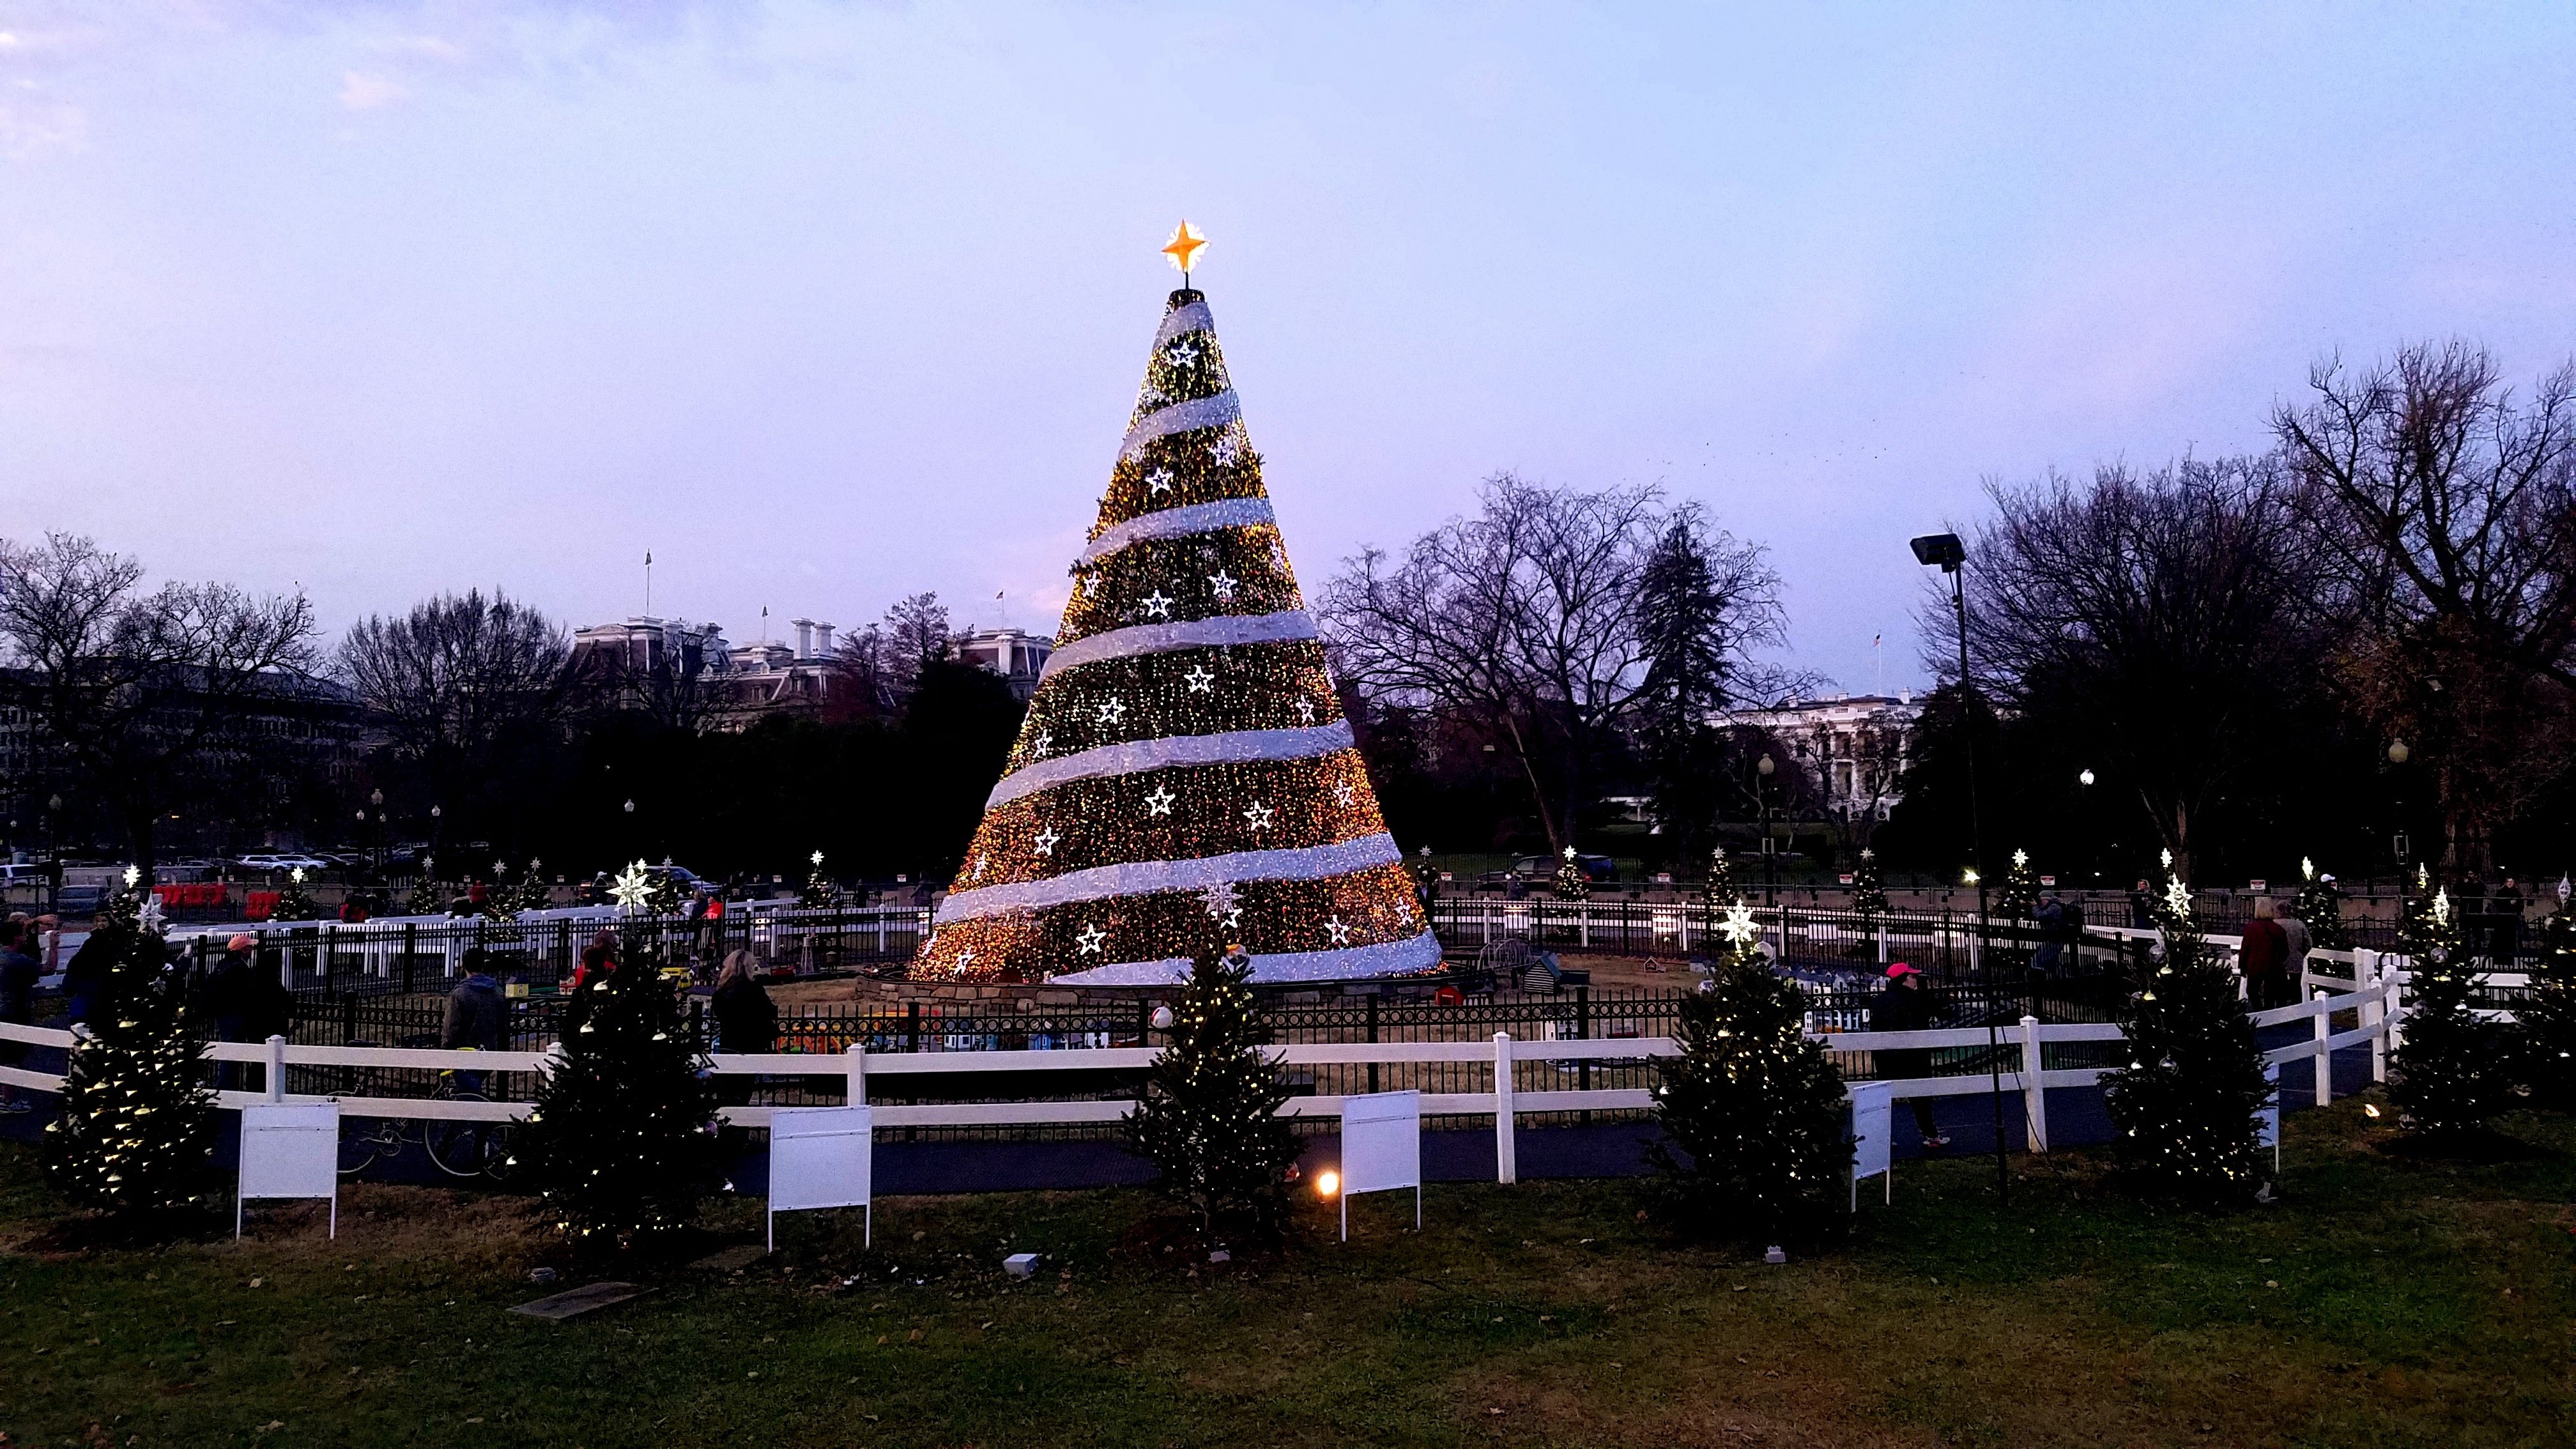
(1766, 767)
(1945, 552)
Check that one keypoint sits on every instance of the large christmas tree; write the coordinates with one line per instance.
(1185, 767)
(137, 1134)
(2020, 894)
(1754, 1106)
(1868, 889)
(2185, 1105)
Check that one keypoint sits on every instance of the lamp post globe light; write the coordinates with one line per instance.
(1766, 767)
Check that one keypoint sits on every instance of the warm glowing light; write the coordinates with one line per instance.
(1184, 246)
(2370, 1108)
(1327, 1183)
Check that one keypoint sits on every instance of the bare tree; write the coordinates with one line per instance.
(469, 691)
(2446, 513)
(2159, 617)
(1529, 616)
(144, 692)
(875, 668)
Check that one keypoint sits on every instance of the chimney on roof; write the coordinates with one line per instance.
(804, 638)
(823, 641)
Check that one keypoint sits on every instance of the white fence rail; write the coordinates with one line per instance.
(2372, 997)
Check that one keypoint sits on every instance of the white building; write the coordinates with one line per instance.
(1853, 748)
(1015, 654)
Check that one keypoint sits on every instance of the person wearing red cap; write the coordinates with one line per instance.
(1902, 1006)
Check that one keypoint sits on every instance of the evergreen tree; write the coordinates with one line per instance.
(2319, 907)
(295, 903)
(500, 901)
(137, 1132)
(1754, 1106)
(1188, 720)
(1688, 621)
(1209, 1119)
(1573, 882)
(429, 894)
(532, 894)
(1715, 894)
(621, 1143)
(666, 896)
(2547, 1018)
(2450, 1072)
(1868, 892)
(2020, 895)
(819, 891)
(2185, 1105)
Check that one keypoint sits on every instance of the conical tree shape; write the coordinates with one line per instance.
(1185, 777)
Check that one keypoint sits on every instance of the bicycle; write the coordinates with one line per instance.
(459, 1148)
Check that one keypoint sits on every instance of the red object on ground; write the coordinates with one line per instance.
(260, 905)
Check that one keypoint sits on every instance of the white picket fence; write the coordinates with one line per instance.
(1523, 1073)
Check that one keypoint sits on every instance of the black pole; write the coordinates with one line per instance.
(1976, 854)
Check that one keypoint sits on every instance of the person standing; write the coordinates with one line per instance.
(477, 1016)
(746, 1019)
(2264, 958)
(2142, 908)
(19, 970)
(1901, 1006)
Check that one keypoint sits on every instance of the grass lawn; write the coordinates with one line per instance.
(2387, 1302)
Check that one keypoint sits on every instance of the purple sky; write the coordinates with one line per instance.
(824, 304)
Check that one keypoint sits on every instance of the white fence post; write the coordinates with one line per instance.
(2325, 1057)
(1882, 943)
(2395, 1035)
(2034, 1096)
(857, 1058)
(2366, 975)
(1506, 1158)
(277, 1069)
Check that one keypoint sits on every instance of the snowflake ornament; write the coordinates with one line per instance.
(1739, 926)
(2177, 896)
(1222, 901)
(816, 858)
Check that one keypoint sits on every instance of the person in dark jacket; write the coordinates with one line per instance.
(746, 1019)
(19, 970)
(225, 996)
(1901, 1006)
(2264, 957)
(477, 1017)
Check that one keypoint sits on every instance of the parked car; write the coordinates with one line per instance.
(1544, 867)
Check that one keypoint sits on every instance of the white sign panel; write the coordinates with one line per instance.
(1381, 1147)
(1873, 1134)
(289, 1149)
(820, 1157)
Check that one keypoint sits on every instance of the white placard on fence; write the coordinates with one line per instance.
(289, 1149)
(1381, 1148)
(1873, 1109)
(821, 1157)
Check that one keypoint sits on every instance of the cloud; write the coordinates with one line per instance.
(360, 92)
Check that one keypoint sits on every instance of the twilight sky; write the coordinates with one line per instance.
(827, 303)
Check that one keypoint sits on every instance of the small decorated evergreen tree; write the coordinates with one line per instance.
(295, 903)
(621, 1143)
(1573, 883)
(532, 894)
(429, 894)
(1868, 891)
(668, 896)
(1209, 1119)
(1715, 894)
(2449, 1073)
(137, 1132)
(500, 899)
(1754, 1106)
(2547, 1018)
(2319, 907)
(2020, 894)
(819, 891)
(2185, 1105)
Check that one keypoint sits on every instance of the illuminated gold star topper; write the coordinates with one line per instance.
(1184, 247)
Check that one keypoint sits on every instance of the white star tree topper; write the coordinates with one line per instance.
(633, 887)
